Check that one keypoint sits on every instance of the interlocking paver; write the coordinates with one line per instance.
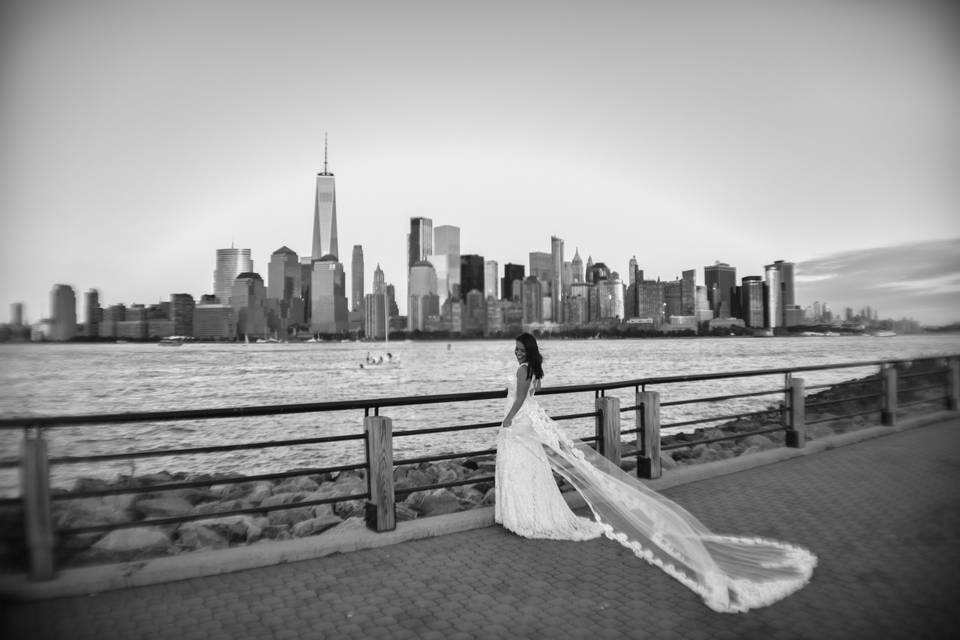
(882, 515)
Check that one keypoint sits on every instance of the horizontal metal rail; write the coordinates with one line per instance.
(848, 383)
(915, 389)
(844, 416)
(574, 416)
(443, 485)
(921, 401)
(192, 484)
(626, 431)
(9, 464)
(463, 427)
(734, 436)
(443, 456)
(872, 396)
(920, 374)
(156, 453)
(731, 396)
(630, 408)
(155, 522)
(731, 416)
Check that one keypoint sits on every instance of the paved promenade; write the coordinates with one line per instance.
(882, 515)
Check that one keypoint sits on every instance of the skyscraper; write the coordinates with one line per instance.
(63, 312)
(16, 314)
(751, 301)
(182, 306)
(420, 241)
(423, 300)
(720, 280)
(471, 274)
(491, 278)
(577, 265)
(93, 313)
(632, 271)
(249, 300)
(356, 278)
(512, 284)
(379, 285)
(773, 305)
(556, 295)
(328, 297)
(325, 213)
(283, 275)
(230, 263)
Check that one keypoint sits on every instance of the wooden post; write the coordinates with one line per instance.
(649, 424)
(35, 488)
(787, 390)
(953, 384)
(608, 428)
(888, 416)
(796, 436)
(381, 510)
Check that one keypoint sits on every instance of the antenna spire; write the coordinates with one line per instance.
(325, 152)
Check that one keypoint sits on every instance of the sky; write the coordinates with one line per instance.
(139, 137)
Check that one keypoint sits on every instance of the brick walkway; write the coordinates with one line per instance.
(883, 516)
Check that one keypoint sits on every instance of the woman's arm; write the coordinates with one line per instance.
(523, 384)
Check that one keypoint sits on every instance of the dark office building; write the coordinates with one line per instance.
(471, 275)
(721, 281)
(512, 274)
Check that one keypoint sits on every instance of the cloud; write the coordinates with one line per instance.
(918, 280)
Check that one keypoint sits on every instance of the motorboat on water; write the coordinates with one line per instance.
(883, 334)
(172, 341)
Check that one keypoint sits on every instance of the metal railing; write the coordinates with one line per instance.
(885, 398)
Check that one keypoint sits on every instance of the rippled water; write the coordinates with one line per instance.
(100, 378)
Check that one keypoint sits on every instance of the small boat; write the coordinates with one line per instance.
(171, 341)
(884, 334)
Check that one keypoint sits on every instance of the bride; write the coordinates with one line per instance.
(731, 573)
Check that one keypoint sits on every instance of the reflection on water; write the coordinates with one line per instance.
(105, 378)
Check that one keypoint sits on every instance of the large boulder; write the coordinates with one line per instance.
(122, 544)
(89, 512)
(667, 461)
(192, 536)
(163, 507)
(300, 483)
(434, 502)
(315, 525)
(234, 529)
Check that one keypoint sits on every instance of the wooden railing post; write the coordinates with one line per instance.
(37, 519)
(888, 416)
(796, 436)
(953, 384)
(608, 428)
(648, 419)
(381, 510)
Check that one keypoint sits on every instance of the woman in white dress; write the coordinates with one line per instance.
(731, 573)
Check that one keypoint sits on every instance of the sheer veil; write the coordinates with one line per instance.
(731, 573)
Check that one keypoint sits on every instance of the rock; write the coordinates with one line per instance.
(468, 496)
(759, 441)
(90, 484)
(161, 477)
(667, 461)
(749, 450)
(261, 491)
(434, 502)
(89, 512)
(231, 491)
(314, 525)
(413, 478)
(192, 536)
(350, 525)
(305, 485)
(490, 497)
(133, 541)
(405, 512)
(233, 528)
(165, 507)
(290, 516)
(276, 532)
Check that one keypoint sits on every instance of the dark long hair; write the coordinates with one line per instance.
(534, 359)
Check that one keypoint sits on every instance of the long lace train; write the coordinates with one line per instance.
(731, 573)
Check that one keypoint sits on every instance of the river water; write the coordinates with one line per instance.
(57, 379)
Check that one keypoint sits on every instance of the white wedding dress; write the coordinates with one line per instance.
(731, 573)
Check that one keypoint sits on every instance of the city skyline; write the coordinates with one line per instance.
(598, 125)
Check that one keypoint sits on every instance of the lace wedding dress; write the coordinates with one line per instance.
(730, 573)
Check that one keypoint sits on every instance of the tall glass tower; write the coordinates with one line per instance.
(325, 214)
(230, 263)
